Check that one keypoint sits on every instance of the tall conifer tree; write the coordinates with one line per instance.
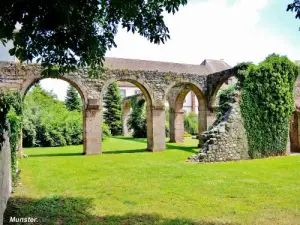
(73, 101)
(112, 114)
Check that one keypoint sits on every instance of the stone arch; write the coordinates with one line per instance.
(146, 90)
(175, 96)
(28, 83)
(155, 140)
(213, 97)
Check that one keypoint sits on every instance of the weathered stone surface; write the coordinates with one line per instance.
(226, 141)
(155, 85)
(5, 175)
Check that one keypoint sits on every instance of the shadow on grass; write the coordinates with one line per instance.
(140, 140)
(55, 154)
(182, 148)
(125, 151)
(169, 145)
(71, 211)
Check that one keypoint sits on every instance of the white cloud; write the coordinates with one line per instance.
(211, 29)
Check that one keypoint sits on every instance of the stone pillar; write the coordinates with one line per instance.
(125, 115)
(176, 125)
(92, 128)
(202, 123)
(193, 96)
(156, 134)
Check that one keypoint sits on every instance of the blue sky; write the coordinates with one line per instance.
(233, 30)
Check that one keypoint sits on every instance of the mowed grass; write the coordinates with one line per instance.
(127, 185)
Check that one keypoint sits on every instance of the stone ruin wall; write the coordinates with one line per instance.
(5, 175)
(226, 141)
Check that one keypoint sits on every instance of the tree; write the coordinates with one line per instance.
(73, 101)
(77, 33)
(113, 105)
(48, 122)
(137, 118)
(295, 6)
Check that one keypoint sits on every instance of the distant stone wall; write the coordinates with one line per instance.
(226, 141)
(5, 175)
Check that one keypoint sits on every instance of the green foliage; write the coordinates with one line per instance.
(137, 118)
(11, 119)
(191, 123)
(295, 6)
(73, 101)
(240, 73)
(47, 121)
(267, 104)
(105, 131)
(15, 121)
(113, 109)
(78, 33)
(186, 134)
(167, 123)
(226, 98)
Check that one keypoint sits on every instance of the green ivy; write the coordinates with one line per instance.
(267, 102)
(226, 98)
(191, 123)
(11, 120)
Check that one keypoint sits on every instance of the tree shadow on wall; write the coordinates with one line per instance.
(71, 211)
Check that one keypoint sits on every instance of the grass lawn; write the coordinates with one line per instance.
(127, 185)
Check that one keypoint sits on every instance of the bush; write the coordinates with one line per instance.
(167, 123)
(137, 118)
(105, 131)
(267, 104)
(186, 134)
(191, 123)
(167, 128)
(48, 122)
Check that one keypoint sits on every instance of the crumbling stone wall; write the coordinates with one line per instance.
(225, 141)
(5, 175)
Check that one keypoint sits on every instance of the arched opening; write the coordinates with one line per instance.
(129, 90)
(295, 132)
(214, 101)
(53, 115)
(187, 106)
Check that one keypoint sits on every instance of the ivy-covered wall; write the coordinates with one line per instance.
(10, 121)
(267, 102)
(10, 125)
